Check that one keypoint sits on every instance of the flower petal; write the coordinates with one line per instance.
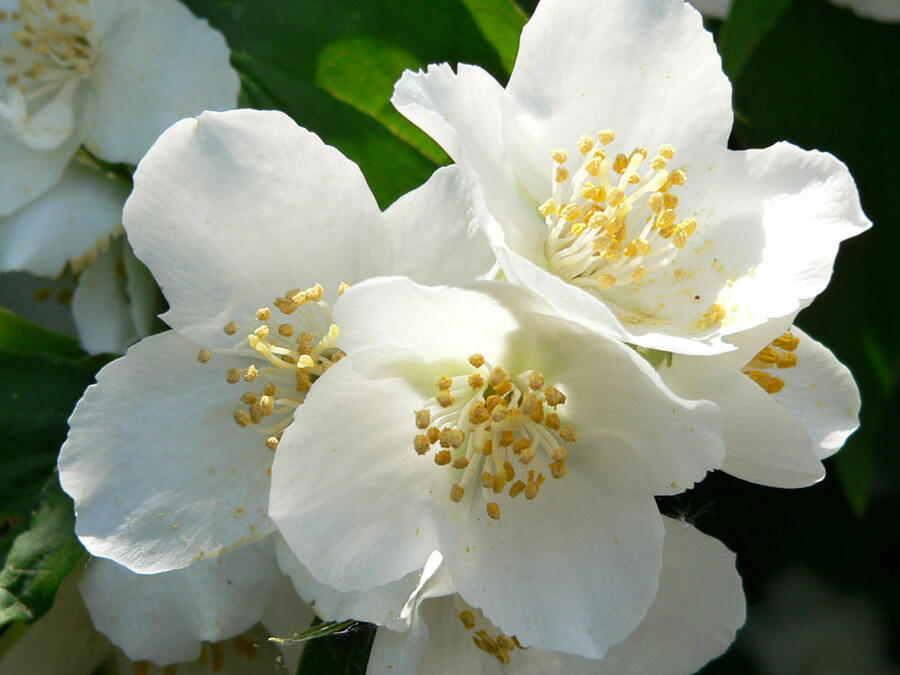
(377, 605)
(338, 509)
(232, 209)
(164, 617)
(100, 306)
(62, 641)
(66, 223)
(286, 614)
(434, 236)
(764, 443)
(699, 607)
(158, 64)
(519, 569)
(160, 474)
(143, 293)
(821, 394)
(646, 69)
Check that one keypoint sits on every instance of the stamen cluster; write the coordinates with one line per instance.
(500, 646)
(609, 223)
(292, 357)
(485, 421)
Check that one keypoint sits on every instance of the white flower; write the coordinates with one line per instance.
(787, 403)
(606, 186)
(183, 617)
(524, 448)
(168, 455)
(111, 74)
(881, 10)
(692, 620)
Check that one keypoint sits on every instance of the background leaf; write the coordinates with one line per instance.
(332, 67)
(749, 21)
(39, 558)
(344, 654)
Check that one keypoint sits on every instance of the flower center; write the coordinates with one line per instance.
(54, 41)
(290, 357)
(612, 222)
(777, 354)
(485, 422)
(485, 637)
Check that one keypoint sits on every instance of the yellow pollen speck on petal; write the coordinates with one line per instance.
(712, 316)
(456, 494)
(263, 314)
(230, 328)
(638, 274)
(493, 510)
(204, 355)
(477, 360)
(233, 375)
(442, 458)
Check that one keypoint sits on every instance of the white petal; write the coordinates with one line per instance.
(49, 126)
(771, 220)
(597, 525)
(432, 321)
(461, 111)
(164, 617)
(434, 236)
(613, 391)
(395, 653)
(160, 473)
(62, 641)
(143, 295)
(230, 210)
(699, 607)
(821, 394)
(100, 305)
(387, 509)
(66, 223)
(157, 64)
(646, 69)
(355, 520)
(376, 605)
(764, 443)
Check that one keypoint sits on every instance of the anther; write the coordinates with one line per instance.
(442, 458)
(272, 443)
(444, 383)
(493, 510)
(423, 418)
(476, 381)
(233, 375)
(204, 355)
(517, 488)
(421, 444)
(554, 396)
(241, 418)
(535, 380)
(467, 616)
(444, 399)
(456, 494)
(230, 328)
(477, 360)
(285, 330)
(263, 314)
(250, 373)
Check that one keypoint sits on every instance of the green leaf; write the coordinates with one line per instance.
(37, 394)
(748, 23)
(20, 335)
(342, 654)
(40, 558)
(332, 67)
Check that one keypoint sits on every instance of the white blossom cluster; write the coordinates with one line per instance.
(451, 418)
